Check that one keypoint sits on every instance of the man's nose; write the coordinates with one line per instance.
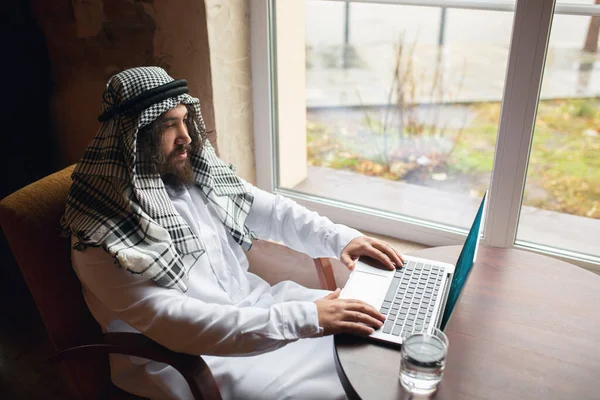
(183, 136)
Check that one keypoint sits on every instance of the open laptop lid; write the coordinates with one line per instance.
(465, 262)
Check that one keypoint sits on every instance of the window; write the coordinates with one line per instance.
(395, 118)
(561, 206)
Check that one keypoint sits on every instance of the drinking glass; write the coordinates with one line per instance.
(423, 359)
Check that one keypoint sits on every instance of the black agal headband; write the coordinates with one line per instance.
(145, 99)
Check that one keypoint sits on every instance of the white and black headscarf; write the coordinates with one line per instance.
(118, 202)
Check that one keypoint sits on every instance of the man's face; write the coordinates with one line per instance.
(174, 137)
(174, 145)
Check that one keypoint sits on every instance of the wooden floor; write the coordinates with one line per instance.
(24, 344)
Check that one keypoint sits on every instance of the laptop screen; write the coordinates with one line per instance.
(464, 263)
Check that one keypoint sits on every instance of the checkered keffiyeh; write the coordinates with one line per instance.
(118, 202)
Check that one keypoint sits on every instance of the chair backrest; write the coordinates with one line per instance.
(30, 218)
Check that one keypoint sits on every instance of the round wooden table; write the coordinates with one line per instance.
(527, 326)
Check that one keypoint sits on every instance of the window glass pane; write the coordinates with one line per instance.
(561, 206)
(392, 107)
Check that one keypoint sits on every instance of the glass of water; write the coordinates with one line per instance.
(423, 361)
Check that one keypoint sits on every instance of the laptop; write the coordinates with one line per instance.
(419, 295)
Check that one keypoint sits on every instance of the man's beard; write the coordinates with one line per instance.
(176, 173)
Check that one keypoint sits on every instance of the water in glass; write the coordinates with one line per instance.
(423, 361)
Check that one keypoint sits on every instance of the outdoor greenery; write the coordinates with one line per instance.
(564, 167)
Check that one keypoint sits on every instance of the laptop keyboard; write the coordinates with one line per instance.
(411, 296)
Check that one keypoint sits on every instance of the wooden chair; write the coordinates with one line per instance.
(30, 220)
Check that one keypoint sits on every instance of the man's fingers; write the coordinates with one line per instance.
(350, 316)
(399, 255)
(364, 308)
(380, 256)
(390, 252)
(348, 261)
(355, 328)
(374, 248)
(333, 295)
(357, 316)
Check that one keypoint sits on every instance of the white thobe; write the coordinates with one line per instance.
(260, 341)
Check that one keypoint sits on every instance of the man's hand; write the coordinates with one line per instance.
(374, 248)
(347, 316)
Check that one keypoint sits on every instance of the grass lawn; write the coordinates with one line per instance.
(564, 164)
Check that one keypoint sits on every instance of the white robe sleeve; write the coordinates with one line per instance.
(185, 324)
(278, 218)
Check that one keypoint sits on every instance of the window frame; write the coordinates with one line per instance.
(531, 30)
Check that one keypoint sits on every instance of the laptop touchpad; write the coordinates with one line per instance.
(367, 287)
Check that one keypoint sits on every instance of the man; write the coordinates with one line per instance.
(159, 224)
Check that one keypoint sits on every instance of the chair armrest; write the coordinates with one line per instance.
(193, 368)
(325, 273)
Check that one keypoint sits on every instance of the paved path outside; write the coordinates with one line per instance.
(562, 231)
(468, 73)
(472, 61)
